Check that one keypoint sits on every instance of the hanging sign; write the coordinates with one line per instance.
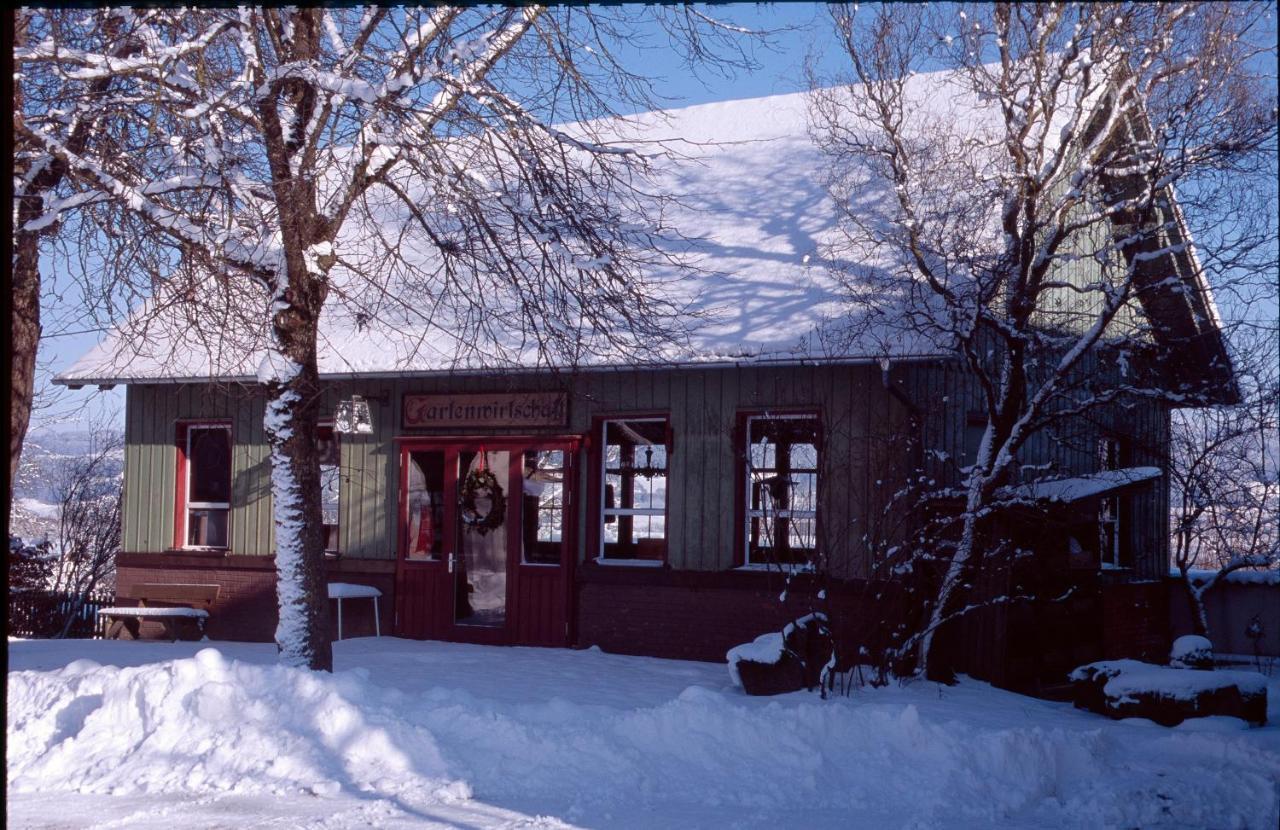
(486, 409)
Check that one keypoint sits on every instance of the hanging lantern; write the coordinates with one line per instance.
(353, 416)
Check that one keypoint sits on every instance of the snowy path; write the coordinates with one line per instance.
(410, 734)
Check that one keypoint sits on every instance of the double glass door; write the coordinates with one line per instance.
(479, 523)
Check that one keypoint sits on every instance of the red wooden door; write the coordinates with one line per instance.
(508, 584)
(542, 595)
(427, 529)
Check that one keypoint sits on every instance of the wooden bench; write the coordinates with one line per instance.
(172, 605)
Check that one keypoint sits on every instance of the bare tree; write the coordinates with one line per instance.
(37, 177)
(1226, 482)
(88, 492)
(253, 170)
(1020, 211)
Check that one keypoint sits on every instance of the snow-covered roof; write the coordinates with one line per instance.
(750, 193)
(1067, 490)
(750, 200)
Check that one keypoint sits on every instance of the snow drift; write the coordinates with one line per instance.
(206, 724)
(604, 740)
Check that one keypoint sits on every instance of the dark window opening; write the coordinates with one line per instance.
(1112, 550)
(208, 468)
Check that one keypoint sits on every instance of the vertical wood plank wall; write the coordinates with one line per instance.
(864, 458)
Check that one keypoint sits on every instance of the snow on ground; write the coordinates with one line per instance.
(420, 734)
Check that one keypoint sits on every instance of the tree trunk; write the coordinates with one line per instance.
(24, 339)
(24, 327)
(291, 418)
(1199, 614)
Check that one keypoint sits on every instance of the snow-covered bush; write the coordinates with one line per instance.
(1191, 652)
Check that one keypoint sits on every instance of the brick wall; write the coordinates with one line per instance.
(700, 616)
(246, 607)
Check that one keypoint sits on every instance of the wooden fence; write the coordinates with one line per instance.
(44, 613)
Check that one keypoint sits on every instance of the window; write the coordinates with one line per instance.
(781, 484)
(543, 514)
(329, 451)
(1110, 529)
(634, 495)
(206, 482)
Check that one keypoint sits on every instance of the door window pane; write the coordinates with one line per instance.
(480, 568)
(542, 510)
(426, 506)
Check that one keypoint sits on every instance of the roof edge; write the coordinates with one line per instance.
(862, 360)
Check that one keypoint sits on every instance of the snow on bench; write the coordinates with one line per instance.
(169, 603)
(136, 611)
(347, 590)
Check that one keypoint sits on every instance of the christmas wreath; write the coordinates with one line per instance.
(483, 484)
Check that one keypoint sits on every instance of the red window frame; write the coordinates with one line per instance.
(595, 487)
(742, 497)
(182, 430)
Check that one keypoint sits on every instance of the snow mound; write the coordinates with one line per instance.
(208, 725)
(1191, 651)
(767, 648)
(1185, 684)
(1244, 576)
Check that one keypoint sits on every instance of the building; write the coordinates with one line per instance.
(639, 507)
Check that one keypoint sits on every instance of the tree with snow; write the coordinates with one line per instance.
(1033, 235)
(255, 169)
(1225, 476)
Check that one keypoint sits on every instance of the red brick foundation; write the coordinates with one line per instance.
(246, 607)
(690, 615)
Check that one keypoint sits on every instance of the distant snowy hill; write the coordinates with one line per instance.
(45, 454)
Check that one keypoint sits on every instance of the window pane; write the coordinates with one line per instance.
(329, 482)
(804, 457)
(803, 491)
(543, 514)
(762, 454)
(328, 452)
(802, 534)
(209, 465)
(426, 505)
(207, 528)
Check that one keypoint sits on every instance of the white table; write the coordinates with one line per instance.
(346, 590)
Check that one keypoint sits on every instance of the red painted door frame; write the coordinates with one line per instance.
(425, 589)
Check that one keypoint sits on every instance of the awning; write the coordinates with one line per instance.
(1068, 490)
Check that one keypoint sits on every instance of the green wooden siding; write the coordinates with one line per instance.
(703, 405)
(865, 454)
